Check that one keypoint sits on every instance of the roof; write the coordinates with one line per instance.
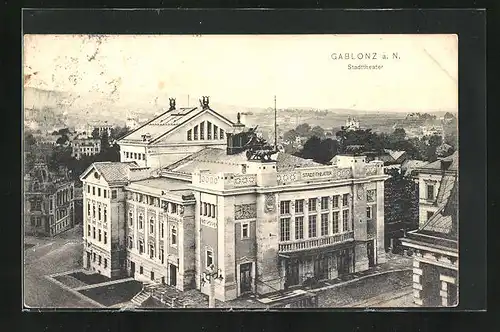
(118, 171)
(217, 160)
(165, 184)
(442, 162)
(166, 122)
(409, 165)
(395, 154)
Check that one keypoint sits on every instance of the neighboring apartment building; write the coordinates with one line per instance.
(434, 180)
(48, 202)
(266, 225)
(435, 247)
(85, 147)
(176, 134)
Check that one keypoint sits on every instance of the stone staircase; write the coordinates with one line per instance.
(142, 296)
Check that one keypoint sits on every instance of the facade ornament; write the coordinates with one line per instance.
(270, 203)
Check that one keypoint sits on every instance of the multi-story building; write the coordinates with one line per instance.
(85, 147)
(351, 124)
(434, 180)
(435, 243)
(167, 138)
(48, 202)
(265, 224)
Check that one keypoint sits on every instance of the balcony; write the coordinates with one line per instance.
(316, 242)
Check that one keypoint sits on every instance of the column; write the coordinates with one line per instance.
(292, 220)
(417, 283)
(444, 291)
(380, 224)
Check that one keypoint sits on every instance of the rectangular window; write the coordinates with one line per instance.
(324, 224)
(93, 191)
(88, 209)
(209, 258)
(368, 212)
(429, 214)
(299, 206)
(88, 230)
(299, 228)
(98, 192)
(195, 133)
(105, 214)
(202, 130)
(93, 232)
(135, 155)
(113, 194)
(221, 134)
(151, 251)
(105, 237)
(335, 202)
(162, 256)
(93, 211)
(209, 130)
(205, 209)
(152, 275)
(285, 207)
(324, 203)
(190, 135)
(105, 262)
(174, 208)
(430, 191)
(99, 238)
(151, 226)
(345, 199)
(345, 220)
(100, 259)
(99, 213)
(245, 234)
(216, 132)
(312, 226)
(312, 204)
(173, 236)
(88, 189)
(285, 229)
(143, 156)
(130, 242)
(141, 270)
(141, 247)
(209, 210)
(161, 230)
(94, 257)
(336, 222)
(105, 192)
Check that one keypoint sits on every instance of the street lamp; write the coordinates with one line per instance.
(210, 276)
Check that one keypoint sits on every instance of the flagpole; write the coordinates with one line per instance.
(275, 124)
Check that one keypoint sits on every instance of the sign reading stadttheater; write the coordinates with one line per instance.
(316, 174)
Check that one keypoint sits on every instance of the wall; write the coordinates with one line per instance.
(426, 205)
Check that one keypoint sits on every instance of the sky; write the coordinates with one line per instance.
(248, 70)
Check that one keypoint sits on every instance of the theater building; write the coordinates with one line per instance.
(266, 221)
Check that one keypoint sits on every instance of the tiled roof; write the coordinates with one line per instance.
(395, 154)
(217, 160)
(436, 165)
(409, 165)
(115, 171)
(165, 184)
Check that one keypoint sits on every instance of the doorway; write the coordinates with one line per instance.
(291, 273)
(245, 278)
(321, 267)
(173, 275)
(371, 254)
(132, 268)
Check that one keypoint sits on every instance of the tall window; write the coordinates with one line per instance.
(324, 224)
(335, 201)
(93, 233)
(209, 130)
(174, 208)
(299, 228)
(285, 207)
(151, 251)
(93, 191)
(131, 218)
(88, 230)
(336, 222)
(202, 130)
(195, 133)
(105, 237)
(345, 199)
(88, 209)
(98, 192)
(190, 135)
(141, 218)
(99, 214)
(161, 230)
(209, 258)
(105, 214)
(88, 189)
(93, 211)
(162, 256)
(173, 235)
(312, 226)
(299, 206)
(430, 191)
(113, 194)
(245, 234)
(221, 135)
(345, 220)
(141, 246)
(105, 193)
(151, 225)
(324, 203)
(285, 229)
(312, 204)
(368, 212)
(216, 132)
(130, 242)
(99, 239)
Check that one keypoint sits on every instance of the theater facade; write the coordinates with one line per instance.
(265, 223)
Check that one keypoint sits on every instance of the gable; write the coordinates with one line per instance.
(93, 176)
(204, 126)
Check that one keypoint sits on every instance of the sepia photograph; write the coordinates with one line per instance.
(240, 171)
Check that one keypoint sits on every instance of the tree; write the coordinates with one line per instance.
(95, 133)
(303, 129)
(321, 151)
(401, 200)
(290, 135)
(317, 131)
(118, 132)
(62, 140)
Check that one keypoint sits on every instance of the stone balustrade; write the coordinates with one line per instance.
(315, 242)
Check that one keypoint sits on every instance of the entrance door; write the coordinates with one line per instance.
(371, 254)
(292, 273)
(321, 267)
(173, 275)
(132, 268)
(245, 278)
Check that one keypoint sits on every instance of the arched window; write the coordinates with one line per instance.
(141, 218)
(173, 235)
(151, 225)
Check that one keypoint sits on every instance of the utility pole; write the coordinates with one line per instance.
(210, 276)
